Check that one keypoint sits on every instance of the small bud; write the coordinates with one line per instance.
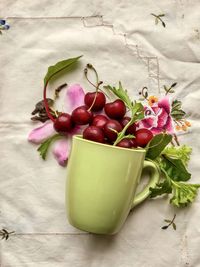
(178, 127)
(187, 123)
(184, 128)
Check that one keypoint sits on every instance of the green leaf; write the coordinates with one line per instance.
(165, 87)
(176, 104)
(175, 168)
(59, 66)
(183, 193)
(121, 93)
(180, 152)
(43, 148)
(161, 15)
(174, 226)
(173, 85)
(157, 145)
(168, 221)
(160, 189)
(163, 24)
(156, 21)
(177, 113)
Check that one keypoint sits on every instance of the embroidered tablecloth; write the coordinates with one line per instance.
(123, 42)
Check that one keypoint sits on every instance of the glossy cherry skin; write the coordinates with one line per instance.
(81, 115)
(133, 142)
(99, 121)
(99, 101)
(112, 124)
(115, 110)
(131, 129)
(126, 143)
(63, 123)
(143, 136)
(93, 133)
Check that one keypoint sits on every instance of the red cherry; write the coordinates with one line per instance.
(115, 110)
(99, 121)
(143, 136)
(93, 133)
(99, 101)
(63, 123)
(131, 129)
(109, 133)
(81, 115)
(133, 142)
(126, 143)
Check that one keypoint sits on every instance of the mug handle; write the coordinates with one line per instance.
(154, 178)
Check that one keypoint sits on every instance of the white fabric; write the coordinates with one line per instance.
(125, 45)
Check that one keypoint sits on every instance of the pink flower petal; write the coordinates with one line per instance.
(164, 103)
(77, 130)
(39, 134)
(61, 150)
(162, 118)
(74, 97)
(155, 109)
(156, 130)
(62, 147)
(148, 122)
(169, 126)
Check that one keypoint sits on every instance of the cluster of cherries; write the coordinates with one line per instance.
(102, 128)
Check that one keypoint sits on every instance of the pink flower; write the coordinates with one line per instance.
(61, 149)
(158, 118)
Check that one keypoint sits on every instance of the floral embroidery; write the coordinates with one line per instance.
(152, 99)
(157, 117)
(159, 18)
(3, 25)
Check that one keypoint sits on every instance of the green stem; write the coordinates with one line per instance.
(172, 220)
(122, 133)
(157, 16)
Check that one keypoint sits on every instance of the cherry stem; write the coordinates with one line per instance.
(98, 83)
(46, 103)
(89, 66)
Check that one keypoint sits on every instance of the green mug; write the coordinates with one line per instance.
(101, 184)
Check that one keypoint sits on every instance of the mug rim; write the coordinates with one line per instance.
(80, 137)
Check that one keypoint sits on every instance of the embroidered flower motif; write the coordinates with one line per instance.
(3, 25)
(74, 98)
(158, 118)
(152, 100)
(182, 125)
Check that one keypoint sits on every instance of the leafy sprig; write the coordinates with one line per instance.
(43, 148)
(183, 193)
(172, 162)
(177, 113)
(5, 234)
(182, 152)
(169, 90)
(159, 18)
(170, 222)
(136, 109)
